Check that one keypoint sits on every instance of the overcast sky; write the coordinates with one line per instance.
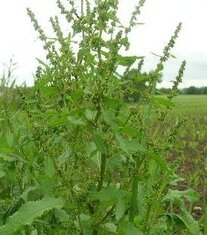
(160, 18)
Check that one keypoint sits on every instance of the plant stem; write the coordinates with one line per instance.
(102, 172)
(133, 209)
(135, 182)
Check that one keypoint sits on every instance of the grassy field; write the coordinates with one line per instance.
(191, 104)
(191, 147)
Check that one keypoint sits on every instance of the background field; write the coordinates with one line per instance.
(191, 147)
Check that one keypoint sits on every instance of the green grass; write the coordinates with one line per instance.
(191, 103)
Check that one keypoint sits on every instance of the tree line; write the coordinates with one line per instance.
(192, 90)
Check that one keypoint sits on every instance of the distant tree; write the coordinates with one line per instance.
(192, 90)
(204, 90)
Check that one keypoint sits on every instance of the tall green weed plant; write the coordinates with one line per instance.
(76, 158)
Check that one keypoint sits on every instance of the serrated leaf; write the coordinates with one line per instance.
(186, 220)
(190, 194)
(191, 224)
(27, 213)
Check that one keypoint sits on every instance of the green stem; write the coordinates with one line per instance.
(100, 185)
(135, 183)
(146, 225)
(134, 208)
(102, 172)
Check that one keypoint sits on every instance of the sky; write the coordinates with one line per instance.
(160, 17)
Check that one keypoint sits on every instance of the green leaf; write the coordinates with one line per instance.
(2, 174)
(175, 195)
(99, 143)
(160, 227)
(47, 184)
(62, 215)
(65, 156)
(9, 157)
(109, 118)
(91, 149)
(191, 224)
(127, 60)
(30, 189)
(76, 121)
(120, 209)
(90, 114)
(186, 220)
(112, 103)
(49, 167)
(27, 213)
(128, 229)
(110, 227)
(133, 146)
(130, 146)
(10, 138)
(43, 63)
(176, 180)
(115, 162)
(4, 145)
(109, 194)
(131, 131)
(191, 195)
(49, 91)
